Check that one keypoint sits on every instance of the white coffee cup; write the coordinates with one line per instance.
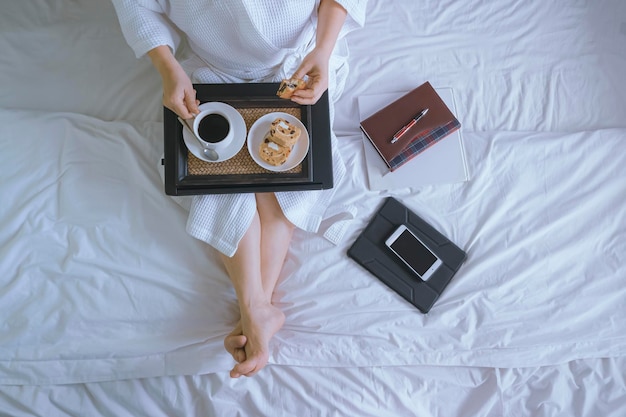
(214, 129)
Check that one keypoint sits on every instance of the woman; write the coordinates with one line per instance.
(247, 41)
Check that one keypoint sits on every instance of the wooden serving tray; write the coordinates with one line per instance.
(186, 174)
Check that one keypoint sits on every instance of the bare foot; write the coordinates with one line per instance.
(235, 342)
(258, 325)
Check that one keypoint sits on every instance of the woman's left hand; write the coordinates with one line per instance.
(315, 66)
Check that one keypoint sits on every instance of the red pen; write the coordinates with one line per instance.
(401, 132)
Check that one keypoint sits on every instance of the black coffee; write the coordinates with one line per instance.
(213, 128)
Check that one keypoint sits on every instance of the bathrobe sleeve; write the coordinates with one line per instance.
(356, 14)
(144, 24)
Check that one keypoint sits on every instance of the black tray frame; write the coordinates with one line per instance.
(317, 169)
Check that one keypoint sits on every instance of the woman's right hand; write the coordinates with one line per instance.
(178, 92)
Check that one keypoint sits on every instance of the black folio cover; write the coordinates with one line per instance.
(370, 251)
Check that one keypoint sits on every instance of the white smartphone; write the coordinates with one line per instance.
(413, 252)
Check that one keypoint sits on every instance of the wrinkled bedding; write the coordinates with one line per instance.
(102, 289)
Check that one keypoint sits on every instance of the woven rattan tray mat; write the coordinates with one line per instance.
(242, 163)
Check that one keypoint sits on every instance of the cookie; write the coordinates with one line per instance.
(273, 153)
(288, 87)
(284, 133)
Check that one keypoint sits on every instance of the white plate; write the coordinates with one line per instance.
(260, 128)
(236, 123)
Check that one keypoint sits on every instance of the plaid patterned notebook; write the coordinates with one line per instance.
(399, 135)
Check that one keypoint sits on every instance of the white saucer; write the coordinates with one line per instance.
(260, 128)
(236, 123)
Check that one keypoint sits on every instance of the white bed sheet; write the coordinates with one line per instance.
(583, 388)
(95, 290)
(100, 283)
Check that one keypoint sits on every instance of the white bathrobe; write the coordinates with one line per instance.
(237, 41)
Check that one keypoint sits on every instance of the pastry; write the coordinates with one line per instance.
(284, 133)
(287, 87)
(273, 153)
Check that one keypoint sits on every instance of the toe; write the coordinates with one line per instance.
(244, 368)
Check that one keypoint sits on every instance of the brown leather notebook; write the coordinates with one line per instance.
(436, 124)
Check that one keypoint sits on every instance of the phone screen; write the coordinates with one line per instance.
(414, 253)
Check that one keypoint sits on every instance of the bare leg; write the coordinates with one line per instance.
(276, 233)
(254, 270)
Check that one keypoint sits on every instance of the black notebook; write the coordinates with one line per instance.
(370, 251)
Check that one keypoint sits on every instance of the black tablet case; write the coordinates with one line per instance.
(370, 251)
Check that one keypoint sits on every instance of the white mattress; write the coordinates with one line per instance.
(110, 308)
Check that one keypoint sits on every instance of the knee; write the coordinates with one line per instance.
(269, 210)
